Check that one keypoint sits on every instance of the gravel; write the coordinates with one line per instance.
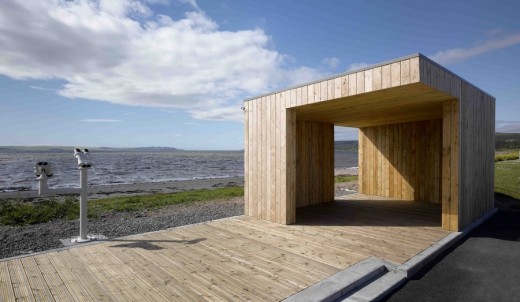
(29, 239)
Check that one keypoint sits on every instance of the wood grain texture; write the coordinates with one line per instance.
(450, 166)
(234, 259)
(315, 163)
(477, 153)
(403, 156)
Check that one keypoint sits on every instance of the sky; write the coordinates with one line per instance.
(128, 73)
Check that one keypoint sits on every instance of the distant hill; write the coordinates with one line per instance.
(346, 145)
(507, 141)
(44, 149)
(148, 149)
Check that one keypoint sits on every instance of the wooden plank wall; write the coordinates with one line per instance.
(391, 75)
(315, 163)
(477, 128)
(401, 160)
(450, 165)
(471, 144)
(270, 159)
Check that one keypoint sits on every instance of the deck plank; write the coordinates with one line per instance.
(21, 286)
(6, 286)
(38, 285)
(53, 280)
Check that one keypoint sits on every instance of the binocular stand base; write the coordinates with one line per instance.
(79, 240)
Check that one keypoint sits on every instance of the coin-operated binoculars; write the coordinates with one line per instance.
(43, 171)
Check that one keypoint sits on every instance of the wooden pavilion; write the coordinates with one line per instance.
(425, 134)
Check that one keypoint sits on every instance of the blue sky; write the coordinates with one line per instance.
(126, 73)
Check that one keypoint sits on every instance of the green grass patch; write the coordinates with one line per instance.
(19, 213)
(155, 201)
(507, 178)
(345, 178)
(506, 156)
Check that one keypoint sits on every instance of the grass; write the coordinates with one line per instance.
(507, 178)
(19, 213)
(345, 178)
(155, 201)
(506, 156)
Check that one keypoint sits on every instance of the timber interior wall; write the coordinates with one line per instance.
(425, 134)
(402, 160)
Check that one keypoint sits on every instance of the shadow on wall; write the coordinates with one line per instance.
(402, 160)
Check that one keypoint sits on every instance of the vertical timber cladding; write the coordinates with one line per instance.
(477, 130)
(314, 163)
(468, 147)
(402, 160)
(270, 159)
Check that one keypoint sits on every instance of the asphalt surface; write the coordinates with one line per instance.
(484, 267)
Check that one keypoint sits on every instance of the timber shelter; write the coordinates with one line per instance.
(425, 134)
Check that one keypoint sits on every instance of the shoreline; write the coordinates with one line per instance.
(173, 186)
(166, 187)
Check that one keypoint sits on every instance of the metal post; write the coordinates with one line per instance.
(83, 219)
(42, 184)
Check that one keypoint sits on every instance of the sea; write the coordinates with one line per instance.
(126, 167)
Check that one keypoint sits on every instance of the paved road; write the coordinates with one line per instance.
(485, 267)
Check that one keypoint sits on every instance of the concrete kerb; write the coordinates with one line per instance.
(378, 289)
(415, 264)
(344, 282)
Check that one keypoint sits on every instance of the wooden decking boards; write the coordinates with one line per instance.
(235, 259)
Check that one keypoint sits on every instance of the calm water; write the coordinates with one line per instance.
(114, 167)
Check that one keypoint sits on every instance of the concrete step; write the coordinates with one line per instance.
(377, 289)
(344, 282)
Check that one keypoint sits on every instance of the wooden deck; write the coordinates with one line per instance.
(236, 259)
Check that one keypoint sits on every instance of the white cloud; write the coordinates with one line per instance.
(42, 88)
(301, 75)
(192, 3)
(122, 52)
(233, 113)
(359, 65)
(507, 126)
(331, 62)
(456, 55)
(100, 120)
